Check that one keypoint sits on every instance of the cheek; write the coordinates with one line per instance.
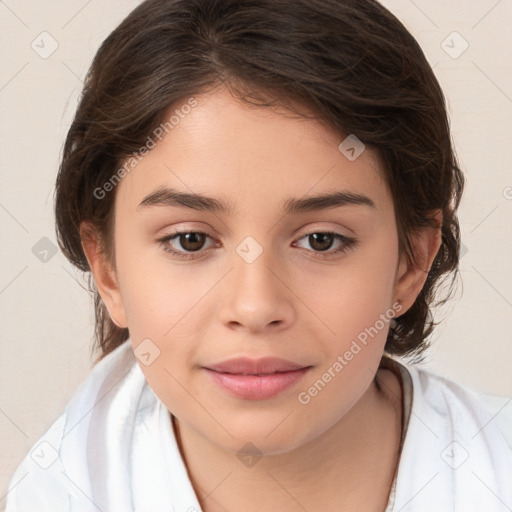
(154, 292)
(356, 306)
(354, 295)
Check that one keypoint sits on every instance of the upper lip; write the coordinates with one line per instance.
(246, 365)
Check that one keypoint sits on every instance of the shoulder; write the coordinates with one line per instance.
(457, 448)
(53, 475)
(466, 408)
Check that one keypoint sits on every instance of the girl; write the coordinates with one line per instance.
(265, 194)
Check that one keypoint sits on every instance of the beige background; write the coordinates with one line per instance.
(46, 322)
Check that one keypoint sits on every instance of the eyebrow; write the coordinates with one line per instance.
(165, 196)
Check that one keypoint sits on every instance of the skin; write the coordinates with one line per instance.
(339, 451)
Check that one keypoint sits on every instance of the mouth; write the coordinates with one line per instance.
(256, 379)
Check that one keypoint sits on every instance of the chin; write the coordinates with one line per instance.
(270, 435)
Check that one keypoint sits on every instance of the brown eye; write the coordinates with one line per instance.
(321, 241)
(185, 244)
(192, 241)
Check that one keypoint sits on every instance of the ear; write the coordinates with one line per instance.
(104, 274)
(411, 275)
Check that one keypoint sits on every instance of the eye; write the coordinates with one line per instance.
(184, 244)
(190, 242)
(322, 241)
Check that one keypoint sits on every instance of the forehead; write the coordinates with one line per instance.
(249, 156)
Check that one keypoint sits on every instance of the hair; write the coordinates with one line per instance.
(349, 62)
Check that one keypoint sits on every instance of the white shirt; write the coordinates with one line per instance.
(114, 449)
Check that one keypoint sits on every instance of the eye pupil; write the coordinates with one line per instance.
(192, 241)
(319, 241)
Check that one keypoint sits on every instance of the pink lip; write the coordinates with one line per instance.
(256, 379)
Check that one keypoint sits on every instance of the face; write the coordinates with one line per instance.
(315, 284)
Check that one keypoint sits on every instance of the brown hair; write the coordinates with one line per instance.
(350, 62)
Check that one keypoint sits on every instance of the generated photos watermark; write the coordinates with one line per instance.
(156, 135)
(361, 341)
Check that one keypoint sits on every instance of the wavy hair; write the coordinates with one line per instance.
(349, 62)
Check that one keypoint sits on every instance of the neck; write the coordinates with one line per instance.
(351, 465)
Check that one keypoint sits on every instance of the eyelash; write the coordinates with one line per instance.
(347, 243)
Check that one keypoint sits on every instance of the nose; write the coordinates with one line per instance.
(257, 297)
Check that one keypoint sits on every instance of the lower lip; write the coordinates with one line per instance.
(256, 387)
